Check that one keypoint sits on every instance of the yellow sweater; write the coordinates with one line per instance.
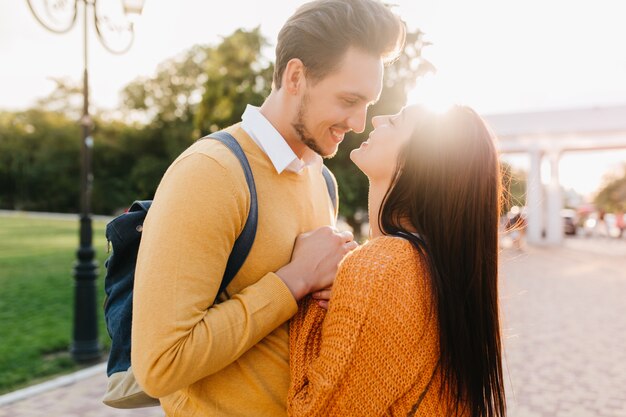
(230, 359)
(375, 351)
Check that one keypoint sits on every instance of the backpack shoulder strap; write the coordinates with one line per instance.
(244, 242)
(330, 184)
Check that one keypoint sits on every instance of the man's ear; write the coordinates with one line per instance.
(294, 79)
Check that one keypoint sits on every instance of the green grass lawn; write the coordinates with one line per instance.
(36, 297)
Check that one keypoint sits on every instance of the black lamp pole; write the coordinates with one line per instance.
(85, 346)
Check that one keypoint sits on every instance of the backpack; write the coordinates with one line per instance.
(124, 234)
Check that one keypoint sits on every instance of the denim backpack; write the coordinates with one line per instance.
(124, 234)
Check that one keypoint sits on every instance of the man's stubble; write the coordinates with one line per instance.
(303, 133)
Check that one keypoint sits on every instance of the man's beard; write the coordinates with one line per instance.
(303, 133)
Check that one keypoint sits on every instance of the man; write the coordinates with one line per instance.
(231, 358)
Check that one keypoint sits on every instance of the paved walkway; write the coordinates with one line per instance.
(78, 399)
(565, 329)
(565, 339)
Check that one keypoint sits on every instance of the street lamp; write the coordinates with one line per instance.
(59, 16)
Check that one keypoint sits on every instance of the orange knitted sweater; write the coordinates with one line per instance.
(375, 352)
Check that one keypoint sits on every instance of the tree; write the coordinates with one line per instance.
(236, 75)
(130, 158)
(39, 163)
(66, 99)
(204, 87)
(612, 196)
(173, 92)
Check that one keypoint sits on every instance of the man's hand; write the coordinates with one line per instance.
(314, 261)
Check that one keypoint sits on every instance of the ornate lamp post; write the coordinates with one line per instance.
(59, 16)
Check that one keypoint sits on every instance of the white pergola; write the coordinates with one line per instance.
(549, 134)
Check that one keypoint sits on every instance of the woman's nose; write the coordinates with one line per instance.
(376, 121)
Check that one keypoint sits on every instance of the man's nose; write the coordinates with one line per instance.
(357, 121)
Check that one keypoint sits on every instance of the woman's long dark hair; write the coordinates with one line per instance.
(447, 188)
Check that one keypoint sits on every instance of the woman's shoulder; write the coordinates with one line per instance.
(381, 258)
(389, 242)
(384, 251)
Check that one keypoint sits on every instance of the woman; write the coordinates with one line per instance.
(412, 327)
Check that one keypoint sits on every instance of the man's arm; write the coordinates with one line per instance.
(187, 237)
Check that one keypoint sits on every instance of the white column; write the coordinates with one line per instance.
(554, 225)
(534, 206)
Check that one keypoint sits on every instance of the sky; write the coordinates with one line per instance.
(497, 56)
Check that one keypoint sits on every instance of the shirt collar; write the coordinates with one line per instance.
(274, 145)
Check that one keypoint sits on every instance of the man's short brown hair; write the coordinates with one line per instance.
(320, 33)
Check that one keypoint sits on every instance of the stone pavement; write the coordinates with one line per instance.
(564, 334)
(80, 399)
(565, 329)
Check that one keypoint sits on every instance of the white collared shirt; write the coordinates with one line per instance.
(274, 145)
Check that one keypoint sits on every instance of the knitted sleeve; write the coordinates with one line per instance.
(367, 351)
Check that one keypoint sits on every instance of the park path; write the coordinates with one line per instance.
(72, 397)
(565, 329)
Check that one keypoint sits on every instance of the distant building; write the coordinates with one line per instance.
(550, 134)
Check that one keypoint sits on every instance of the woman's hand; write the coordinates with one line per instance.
(322, 297)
